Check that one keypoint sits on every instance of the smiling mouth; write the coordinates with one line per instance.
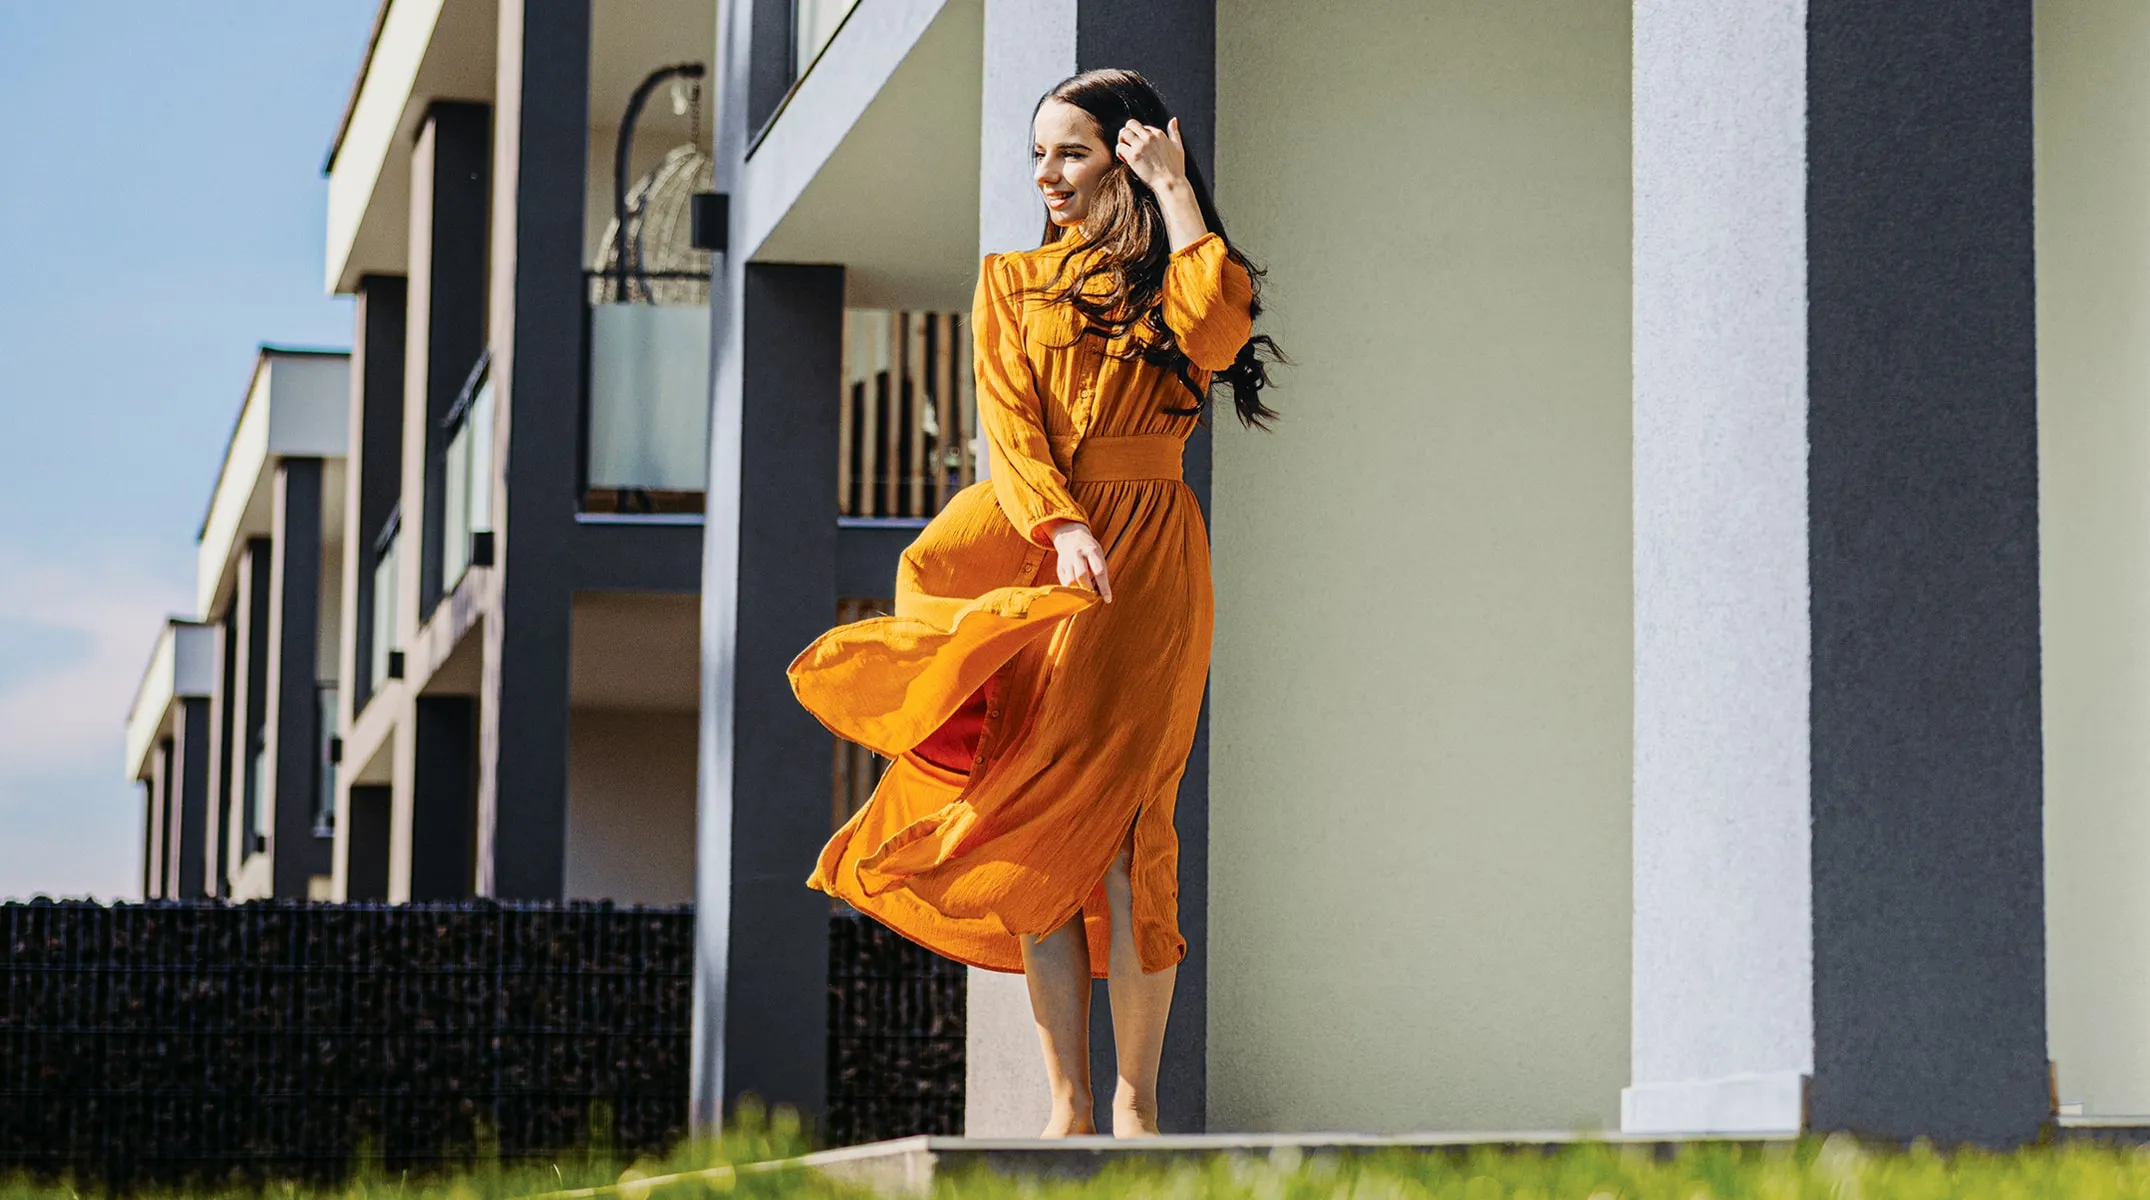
(1056, 199)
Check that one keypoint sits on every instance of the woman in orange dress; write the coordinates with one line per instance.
(1037, 731)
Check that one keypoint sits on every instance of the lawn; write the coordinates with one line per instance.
(1834, 1169)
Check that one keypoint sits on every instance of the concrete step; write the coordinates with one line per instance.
(908, 1166)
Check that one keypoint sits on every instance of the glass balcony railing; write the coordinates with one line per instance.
(386, 572)
(649, 395)
(467, 494)
(813, 23)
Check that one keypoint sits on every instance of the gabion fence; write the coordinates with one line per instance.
(896, 1030)
(167, 1043)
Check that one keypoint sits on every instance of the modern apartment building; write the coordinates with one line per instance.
(526, 492)
(1679, 664)
(233, 728)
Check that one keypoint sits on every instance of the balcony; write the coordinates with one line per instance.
(648, 433)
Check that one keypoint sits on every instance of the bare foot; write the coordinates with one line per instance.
(1133, 1116)
(1071, 1119)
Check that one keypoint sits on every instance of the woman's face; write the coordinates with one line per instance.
(1068, 159)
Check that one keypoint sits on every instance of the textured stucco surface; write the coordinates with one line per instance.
(1722, 951)
(1928, 875)
(2093, 109)
(1419, 883)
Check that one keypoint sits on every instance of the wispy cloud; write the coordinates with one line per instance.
(69, 816)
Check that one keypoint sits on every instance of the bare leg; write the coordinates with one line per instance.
(1140, 1005)
(1057, 969)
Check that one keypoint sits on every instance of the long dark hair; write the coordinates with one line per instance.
(1126, 225)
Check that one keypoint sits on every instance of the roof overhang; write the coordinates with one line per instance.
(425, 51)
(873, 160)
(297, 406)
(182, 667)
(422, 51)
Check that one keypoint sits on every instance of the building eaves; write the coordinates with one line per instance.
(358, 85)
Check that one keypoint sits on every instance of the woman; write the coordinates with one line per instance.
(1038, 732)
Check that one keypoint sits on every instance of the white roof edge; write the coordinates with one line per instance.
(152, 704)
(297, 403)
(376, 110)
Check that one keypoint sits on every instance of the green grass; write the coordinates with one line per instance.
(1835, 1169)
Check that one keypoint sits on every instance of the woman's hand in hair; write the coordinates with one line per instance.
(1082, 560)
(1159, 159)
(1157, 156)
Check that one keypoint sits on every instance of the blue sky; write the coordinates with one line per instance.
(161, 209)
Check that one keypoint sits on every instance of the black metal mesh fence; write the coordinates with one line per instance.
(896, 1032)
(163, 1043)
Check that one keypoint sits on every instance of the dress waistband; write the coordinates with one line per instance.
(1114, 459)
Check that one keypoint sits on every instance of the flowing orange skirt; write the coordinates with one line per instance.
(1030, 727)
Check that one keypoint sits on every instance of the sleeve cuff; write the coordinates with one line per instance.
(1198, 245)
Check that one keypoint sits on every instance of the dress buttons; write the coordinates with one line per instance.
(979, 761)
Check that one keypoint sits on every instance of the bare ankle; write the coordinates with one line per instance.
(1071, 1117)
(1134, 1113)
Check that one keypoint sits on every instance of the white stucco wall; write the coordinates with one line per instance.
(1419, 892)
(2093, 119)
(630, 807)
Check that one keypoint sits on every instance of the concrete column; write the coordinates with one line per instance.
(293, 774)
(769, 588)
(156, 798)
(366, 862)
(1839, 913)
(189, 798)
(443, 773)
(223, 721)
(539, 163)
(375, 477)
(1028, 49)
(250, 676)
(445, 319)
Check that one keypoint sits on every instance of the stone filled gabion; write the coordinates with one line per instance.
(168, 1043)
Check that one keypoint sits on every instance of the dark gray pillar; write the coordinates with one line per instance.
(292, 712)
(251, 674)
(154, 791)
(223, 775)
(366, 876)
(771, 551)
(1840, 918)
(1173, 43)
(540, 163)
(376, 453)
(444, 740)
(191, 740)
(446, 302)
(1929, 903)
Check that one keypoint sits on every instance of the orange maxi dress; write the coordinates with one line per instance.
(1030, 726)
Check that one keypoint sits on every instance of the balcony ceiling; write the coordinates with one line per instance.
(883, 179)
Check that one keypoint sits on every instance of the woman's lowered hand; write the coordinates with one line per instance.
(1082, 560)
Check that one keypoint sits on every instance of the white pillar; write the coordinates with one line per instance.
(1839, 855)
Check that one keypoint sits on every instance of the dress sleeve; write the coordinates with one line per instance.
(1029, 485)
(1208, 302)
